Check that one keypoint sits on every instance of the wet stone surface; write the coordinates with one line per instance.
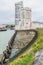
(39, 58)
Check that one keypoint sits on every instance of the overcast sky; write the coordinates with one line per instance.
(7, 10)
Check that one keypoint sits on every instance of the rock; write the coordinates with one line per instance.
(39, 58)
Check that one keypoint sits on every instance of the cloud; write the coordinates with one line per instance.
(37, 8)
(6, 16)
(36, 5)
(7, 9)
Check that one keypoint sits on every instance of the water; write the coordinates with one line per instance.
(5, 36)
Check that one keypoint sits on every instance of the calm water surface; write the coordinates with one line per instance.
(5, 36)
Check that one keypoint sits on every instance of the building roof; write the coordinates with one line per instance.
(37, 22)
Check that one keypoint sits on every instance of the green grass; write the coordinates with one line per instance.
(28, 58)
(24, 60)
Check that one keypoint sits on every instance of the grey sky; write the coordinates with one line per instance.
(7, 10)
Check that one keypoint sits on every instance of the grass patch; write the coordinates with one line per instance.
(24, 60)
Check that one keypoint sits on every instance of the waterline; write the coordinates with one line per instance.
(5, 36)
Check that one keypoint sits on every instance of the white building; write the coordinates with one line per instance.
(25, 18)
(22, 17)
(18, 6)
(36, 24)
